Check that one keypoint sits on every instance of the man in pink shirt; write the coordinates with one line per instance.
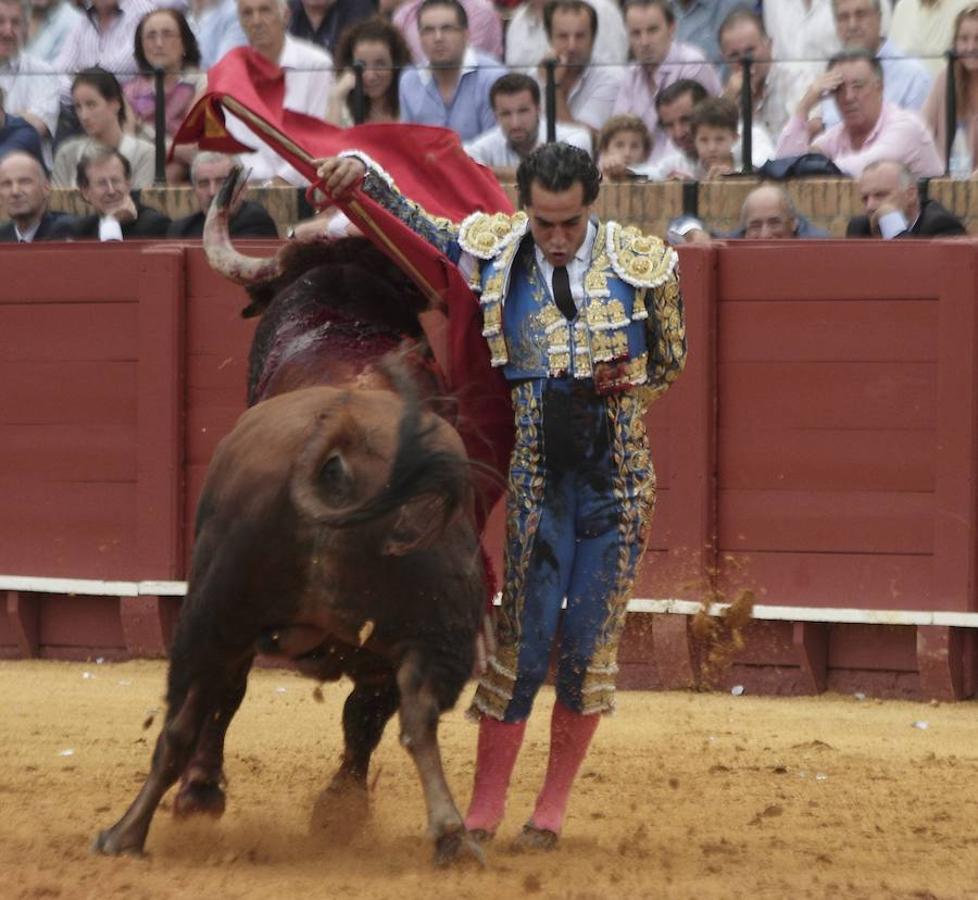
(659, 61)
(870, 130)
(485, 26)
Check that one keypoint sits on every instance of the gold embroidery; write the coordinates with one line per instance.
(484, 235)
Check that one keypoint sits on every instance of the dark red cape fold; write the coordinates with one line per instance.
(431, 168)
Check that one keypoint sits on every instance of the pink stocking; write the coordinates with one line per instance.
(570, 736)
(499, 745)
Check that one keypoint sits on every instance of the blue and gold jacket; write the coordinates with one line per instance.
(630, 330)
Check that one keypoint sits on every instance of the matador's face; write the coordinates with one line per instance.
(558, 221)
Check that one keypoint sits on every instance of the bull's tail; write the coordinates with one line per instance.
(428, 481)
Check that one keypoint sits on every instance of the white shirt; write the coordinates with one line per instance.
(592, 99)
(492, 148)
(576, 268)
(527, 44)
(31, 85)
(308, 81)
(47, 42)
(27, 236)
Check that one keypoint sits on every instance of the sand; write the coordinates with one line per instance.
(683, 795)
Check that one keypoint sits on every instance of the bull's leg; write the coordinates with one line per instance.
(419, 713)
(202, 786)
(173, 750)
(342, 808)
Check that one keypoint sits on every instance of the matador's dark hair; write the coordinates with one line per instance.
(556, 167)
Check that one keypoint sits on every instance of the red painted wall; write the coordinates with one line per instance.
(819, 449)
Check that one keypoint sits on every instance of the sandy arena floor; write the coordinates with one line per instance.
(684, 795)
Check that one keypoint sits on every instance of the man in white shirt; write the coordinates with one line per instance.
(30, 85)
(527, 43)
(308, 81)
(585, 93)
(515, 102)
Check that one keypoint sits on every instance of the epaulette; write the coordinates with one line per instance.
(639, 259)
(484, 235)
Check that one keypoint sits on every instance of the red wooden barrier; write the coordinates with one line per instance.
(820, 449)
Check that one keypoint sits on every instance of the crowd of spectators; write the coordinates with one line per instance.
(653, 88)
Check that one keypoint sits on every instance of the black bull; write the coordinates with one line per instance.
(335, 528)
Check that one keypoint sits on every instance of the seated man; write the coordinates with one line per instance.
(893, 208)
(208, 172)
(871, 129)
(585, 92)
(454, 92)
(859, 23)
(24, 194)
(104, 179)
(767, 214)
(515, 102)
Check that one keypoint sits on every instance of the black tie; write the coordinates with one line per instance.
(562, 293)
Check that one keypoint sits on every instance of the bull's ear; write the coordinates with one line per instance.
(418, 525)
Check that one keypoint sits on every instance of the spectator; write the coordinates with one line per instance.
(321, 22)
(660, 61)
(515, 102)
(17, 134)
(870, 130)
(31, 87)
(964, 157)
(924, 29)
(163, 40)
(774, 90)
(49, 24)
(674, 107)
(485, 27)
(24, 194)
(100, 108)
(308, 82)
(623, 145)
(893, 209)
(527, 43)
(585, 93)
(217, 28)
(905, 81)
(208, 172)
(768, 214)
(454, 92)
(698, 21)
(105, 37)
(714, 128)
(104, 179)
(382, 51)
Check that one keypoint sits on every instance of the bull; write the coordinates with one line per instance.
(334, 529)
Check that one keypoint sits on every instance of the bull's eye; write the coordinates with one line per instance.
(335, 479)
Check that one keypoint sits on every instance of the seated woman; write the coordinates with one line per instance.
(964, 154)
(101, 110)
(382, 50)
(164, 41)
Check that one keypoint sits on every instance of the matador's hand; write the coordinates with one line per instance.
(340, 174)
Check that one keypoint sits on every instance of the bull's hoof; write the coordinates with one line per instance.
(341, 810)
(112, 842)
(199, 798)
(532, 839)
(456, 846)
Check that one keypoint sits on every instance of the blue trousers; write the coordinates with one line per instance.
(581, 495)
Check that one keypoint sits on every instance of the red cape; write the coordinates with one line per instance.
(431, 168)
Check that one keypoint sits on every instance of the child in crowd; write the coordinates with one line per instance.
(715, 128)
(623, 143)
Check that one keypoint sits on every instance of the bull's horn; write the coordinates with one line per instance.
(245, 270)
